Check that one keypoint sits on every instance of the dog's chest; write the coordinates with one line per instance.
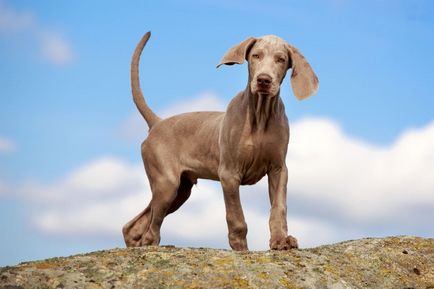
(258, 155)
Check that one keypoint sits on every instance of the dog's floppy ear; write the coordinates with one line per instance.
(238, 53)
(304, 81)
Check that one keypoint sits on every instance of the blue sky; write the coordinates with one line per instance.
(70, 166)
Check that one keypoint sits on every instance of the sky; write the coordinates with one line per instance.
(360, 158)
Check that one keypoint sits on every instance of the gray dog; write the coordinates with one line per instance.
(236, 147)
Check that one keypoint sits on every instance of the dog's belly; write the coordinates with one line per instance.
(202, 169)
(199, 153)
(253, 175)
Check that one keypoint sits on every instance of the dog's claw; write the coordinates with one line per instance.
(287, 243)
(292, 242)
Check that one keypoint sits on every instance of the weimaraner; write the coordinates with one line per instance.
(236, 147)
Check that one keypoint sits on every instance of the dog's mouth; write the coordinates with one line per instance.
(263, 89)
(265, 92)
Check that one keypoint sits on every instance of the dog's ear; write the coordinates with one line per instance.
(304, 81)
(238, 53)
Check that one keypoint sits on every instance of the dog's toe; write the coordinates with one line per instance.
(292, 242)
(285, 243)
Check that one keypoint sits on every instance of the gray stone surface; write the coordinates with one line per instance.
(394, 262)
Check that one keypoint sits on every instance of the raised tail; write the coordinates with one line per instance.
(150, 117)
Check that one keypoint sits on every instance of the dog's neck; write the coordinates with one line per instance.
(263, 109)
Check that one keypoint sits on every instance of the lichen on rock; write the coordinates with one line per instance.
(393, 262)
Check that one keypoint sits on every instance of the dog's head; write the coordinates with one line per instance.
(269, 58)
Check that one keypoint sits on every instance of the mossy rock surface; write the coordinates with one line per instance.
(393, 262)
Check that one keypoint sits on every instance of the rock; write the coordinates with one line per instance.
(393, 262)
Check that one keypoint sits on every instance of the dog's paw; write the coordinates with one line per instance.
(239, 245)
(285, 243)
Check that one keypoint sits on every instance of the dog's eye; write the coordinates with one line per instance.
(281, 60)
(255, 56)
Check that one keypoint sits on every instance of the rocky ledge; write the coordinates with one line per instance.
(393, 262)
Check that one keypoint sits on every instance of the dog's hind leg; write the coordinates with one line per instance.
(164, 194)
(134, 229)
(183, 193)
(138, 227)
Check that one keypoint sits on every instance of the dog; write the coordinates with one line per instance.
(236, 147)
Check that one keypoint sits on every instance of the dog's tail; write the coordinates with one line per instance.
(150, 117)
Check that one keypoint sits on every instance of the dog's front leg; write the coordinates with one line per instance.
(234, 213)
(277, 181)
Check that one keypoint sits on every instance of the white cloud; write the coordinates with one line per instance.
(104, 178)
(339, 188)
(6, 145)
(96, 198)
(52, 45)
(364, 182)
(90, 218)
(205, 101)
(202, 217)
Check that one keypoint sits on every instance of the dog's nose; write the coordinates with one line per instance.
(263, 79)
